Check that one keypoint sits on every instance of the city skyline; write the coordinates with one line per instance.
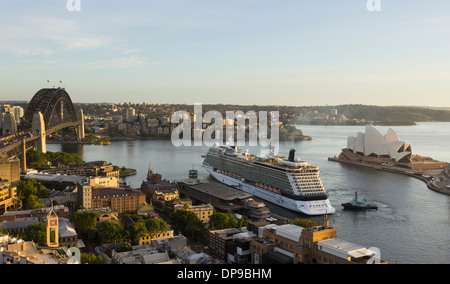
(238, 52)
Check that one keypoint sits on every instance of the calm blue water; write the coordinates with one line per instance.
(412, 224)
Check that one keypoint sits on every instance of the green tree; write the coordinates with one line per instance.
(63, 158)
(26, 188)
(29, 191)
(32, 202)
(40, 160)
(304, 223)
(126, 247)
(189, 224)
(85, 220)
(181, 218)
(219, 220)
(90, 258)
(111, 232)
(196, 230)
(36, 233)
(37, 160)
(137, 230)
(156, 226)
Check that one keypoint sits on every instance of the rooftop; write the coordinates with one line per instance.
(344, 248)
(114, 192)
(220, 191)
(230, 233)
(292, 232)
(19, 223)
(163, 186)
(66, 228)
(55, 178)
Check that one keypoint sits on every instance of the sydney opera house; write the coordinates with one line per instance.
(374, 148)
(373, 143)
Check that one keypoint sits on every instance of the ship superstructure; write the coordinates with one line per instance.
(287, 182)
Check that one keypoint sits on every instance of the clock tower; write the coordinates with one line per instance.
(52, 229)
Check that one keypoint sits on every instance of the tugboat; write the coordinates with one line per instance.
(357, 205)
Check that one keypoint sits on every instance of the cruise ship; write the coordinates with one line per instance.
(289, 183)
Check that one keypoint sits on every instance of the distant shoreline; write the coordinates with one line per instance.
(377, 123)
(162, 138)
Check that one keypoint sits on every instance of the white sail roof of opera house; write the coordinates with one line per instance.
(372, 142)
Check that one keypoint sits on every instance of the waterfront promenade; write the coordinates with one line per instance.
(437, 179)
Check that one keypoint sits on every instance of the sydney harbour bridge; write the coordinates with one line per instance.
(49, 111)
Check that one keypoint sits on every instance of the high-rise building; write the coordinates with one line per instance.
(9, 180)
(131, 114)
(10, 171)
(85, 195)
(7, 197)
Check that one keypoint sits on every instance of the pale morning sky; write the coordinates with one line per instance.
(287, 52)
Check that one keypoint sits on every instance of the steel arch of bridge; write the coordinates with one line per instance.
(48, 102)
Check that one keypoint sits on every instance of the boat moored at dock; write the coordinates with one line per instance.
(289, 183)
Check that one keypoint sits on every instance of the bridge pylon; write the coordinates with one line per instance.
(80, 129)
(38, 129)
(9, 124)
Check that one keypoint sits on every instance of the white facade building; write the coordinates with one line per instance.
(131, 114)
(372, 142)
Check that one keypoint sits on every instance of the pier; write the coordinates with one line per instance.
(437, 179)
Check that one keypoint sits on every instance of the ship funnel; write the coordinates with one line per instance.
(291, 155)
(193, 177)
(193, 174)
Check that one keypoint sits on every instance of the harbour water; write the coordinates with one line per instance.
(411, 225)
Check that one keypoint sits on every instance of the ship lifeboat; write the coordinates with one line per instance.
(273, 189)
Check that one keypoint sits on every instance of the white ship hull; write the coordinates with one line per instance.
(316, 207)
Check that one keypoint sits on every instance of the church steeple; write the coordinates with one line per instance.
(151, 177)
(150, 171)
